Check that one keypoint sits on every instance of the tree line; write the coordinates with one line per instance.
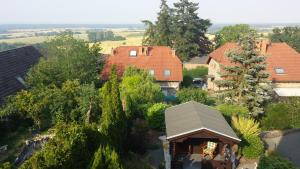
(101, 35)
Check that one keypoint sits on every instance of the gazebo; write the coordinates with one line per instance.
(199, 137)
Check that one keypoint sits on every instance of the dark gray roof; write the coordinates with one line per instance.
(198, 60)
(15, 63)
(192, 116)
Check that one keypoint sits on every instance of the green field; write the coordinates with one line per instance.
(132, 38)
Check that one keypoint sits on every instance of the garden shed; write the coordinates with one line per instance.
(199, 137)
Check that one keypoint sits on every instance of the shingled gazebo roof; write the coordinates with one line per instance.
(192, 116)
(14, 65)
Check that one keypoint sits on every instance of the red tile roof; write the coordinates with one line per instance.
(157, 58)
(279, 55)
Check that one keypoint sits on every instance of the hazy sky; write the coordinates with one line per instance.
(133, 11)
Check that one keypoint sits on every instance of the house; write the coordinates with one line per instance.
(14, 65)
(159, 61)
(196, 62)
(283, 66)
(198, 136)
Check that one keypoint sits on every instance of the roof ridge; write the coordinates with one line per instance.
(26, 46)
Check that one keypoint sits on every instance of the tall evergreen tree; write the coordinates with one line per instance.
(106, 158)
(163, 25)
(149, 37)
(245, 81)
(189, 30)
(113, 124)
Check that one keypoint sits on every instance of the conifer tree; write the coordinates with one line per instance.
(189, 30)
(113, 119)
(106, 158)
(245, 82)
(163, 25)
(149, 37)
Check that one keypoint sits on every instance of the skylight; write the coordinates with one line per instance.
(279, 70)
(151, 72)
(167, 72)
(133, 53)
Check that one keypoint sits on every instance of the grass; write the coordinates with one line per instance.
(15, 142)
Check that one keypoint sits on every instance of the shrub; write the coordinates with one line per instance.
(252, 147)
(277, 117)
(246, 127)
(139, 91)
(274, 162)
(137, 139)
(248, 130)
(199, 71)
(229, 110)
(156, 116)
(6, 165)
(198, 95)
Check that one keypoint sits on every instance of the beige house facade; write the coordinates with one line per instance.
(283, 65)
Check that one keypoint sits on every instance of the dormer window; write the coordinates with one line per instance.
(133, 53)
(279, 70)
(167, 73)
(151, 72)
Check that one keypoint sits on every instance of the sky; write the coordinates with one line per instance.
(133, 11)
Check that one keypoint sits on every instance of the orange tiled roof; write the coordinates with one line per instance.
(279, 55)
(157, 58)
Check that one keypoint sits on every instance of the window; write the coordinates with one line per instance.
(133, 53)
(167, 72)
(279, 70)
(151, 72)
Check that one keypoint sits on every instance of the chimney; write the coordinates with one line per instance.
(144, 50)
(113, 51)
(141, 50)
(173, 52)
(263, 45)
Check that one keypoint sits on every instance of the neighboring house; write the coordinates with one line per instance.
(283, 65)
(196, 62)
(159, 61)
(14, 65)
(198, 137)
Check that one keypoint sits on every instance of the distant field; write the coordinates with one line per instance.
(132, 38)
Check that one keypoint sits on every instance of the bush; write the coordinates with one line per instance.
(229, 110)
(72, 147)
(248, 130)
(252, 147)
(6, 165)
(199, 71)
(137, 139)
(245, 127)
(274, 162)
(156, 116)
(277, 117)
(198, 95)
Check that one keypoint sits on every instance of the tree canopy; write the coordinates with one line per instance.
(232, 33)
(289, 35)
(181, 28)
(136, 81)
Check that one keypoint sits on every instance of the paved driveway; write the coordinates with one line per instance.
(288, 146)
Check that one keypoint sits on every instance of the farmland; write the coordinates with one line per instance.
(29, 36)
